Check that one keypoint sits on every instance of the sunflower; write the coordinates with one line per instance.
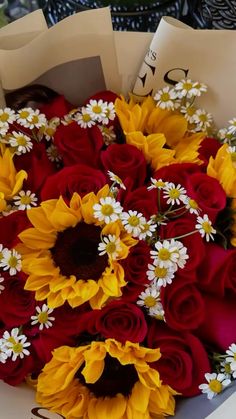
(60, 252)
(11, 181)
(162, 135)
(104, 380)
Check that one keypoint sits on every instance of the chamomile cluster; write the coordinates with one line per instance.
(182, 97)
(225, 367)
(13, 345)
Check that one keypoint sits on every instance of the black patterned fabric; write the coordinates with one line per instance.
(217, 14)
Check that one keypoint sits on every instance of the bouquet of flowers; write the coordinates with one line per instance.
(117, 258)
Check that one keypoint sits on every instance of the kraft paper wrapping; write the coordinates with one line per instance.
(115, 58)
(208, 56)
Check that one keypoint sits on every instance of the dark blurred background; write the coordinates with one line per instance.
(134, 15)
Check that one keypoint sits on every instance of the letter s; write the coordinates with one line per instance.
(171, 81)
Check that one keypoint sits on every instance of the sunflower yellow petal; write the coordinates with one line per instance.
(35, 240)
(139, 398)
(39, 221)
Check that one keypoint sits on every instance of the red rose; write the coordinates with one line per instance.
(208, 193)
(217, 272)
(14, 372)
(183, 303)
(176, 173)
(37, 165)
(105, 95)
(121, 321)
(17, 305)
(58, 107)
(126, 161)
(183, 361)
(79, 145)
(193, 243)
(219, 327)
(140, 200)
(11, 226)
(78, 178)
(135, 267)
(209, 147)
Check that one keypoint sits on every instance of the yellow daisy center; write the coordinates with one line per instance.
(25, 200)
(160, 272)
(111, 247)
(134, 221)
(165, 97)
(107, 209)
(24, 114)
(235, 356)
(97, 109)
(150, 301)
(11, 340)
(35, 119)
(187, 86)
(227, 366)
(164, 254)
(17, 348)
(12, 262)
(50, 131)
(215, 386)
(203, 117)
(190, 110)
(174, 193)
(193, 204)
(207, 227)
(21, 140)
(43, 317)
(4, 117)
(159, 184)
(86, 117)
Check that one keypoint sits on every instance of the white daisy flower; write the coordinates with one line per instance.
(187, 88)
(11, 260)
(110, 113)
(202, 119)
(231, 358)
(25, 200)
(205, 228)
(151, 300)
(189, 112)
(165, 98)
(182, 252)
(107, 210)
(3, 353)
(53, 154)
(2, 288)
(84, 118)
(156, 184)
(43, 317)
(16, 344)
(200, 88)
(37, 119)
(116, 179)
(133, 222)
(222, 133)
(21, 141)
(24, 117)
(160, 276)
(192, 205)
(174, 194)
(108, 134)
(50, 128)
(97, 110)
(216, 384)
(7, 117)
(232, 126)
(148, 228)
(166, 254)
(110, 245)
(226, 369)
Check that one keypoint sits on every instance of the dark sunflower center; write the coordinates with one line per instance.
(116, 378)
(76, 252)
